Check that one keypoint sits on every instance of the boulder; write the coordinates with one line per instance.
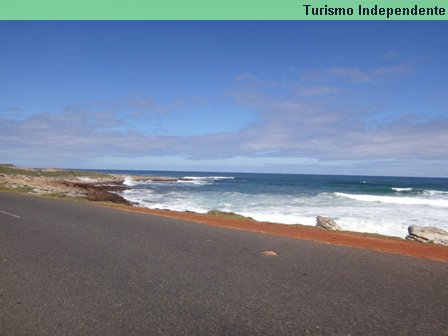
(427, 234)
(327, 223)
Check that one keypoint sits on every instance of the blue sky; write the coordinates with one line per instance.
(255, 96)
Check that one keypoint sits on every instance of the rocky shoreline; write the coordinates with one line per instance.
(422, 234)
(92, 186)
(103, 188)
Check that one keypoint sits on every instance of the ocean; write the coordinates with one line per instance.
(384, 205)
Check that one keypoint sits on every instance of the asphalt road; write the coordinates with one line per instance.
(74, 269)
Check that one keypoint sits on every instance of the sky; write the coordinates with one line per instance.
(311, 97)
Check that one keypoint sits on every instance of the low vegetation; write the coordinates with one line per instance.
(19, 189)
(228, 215)
(8, 169)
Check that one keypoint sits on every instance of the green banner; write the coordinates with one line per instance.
(223, 10)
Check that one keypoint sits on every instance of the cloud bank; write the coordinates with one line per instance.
(301, 118)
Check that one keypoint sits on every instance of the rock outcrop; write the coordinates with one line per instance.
(327, 223)
(95, 186)
(98, 193)
(427, 234)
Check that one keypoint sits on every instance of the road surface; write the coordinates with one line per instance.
(68, 268)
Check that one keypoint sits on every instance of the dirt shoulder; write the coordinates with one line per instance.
(342, 238)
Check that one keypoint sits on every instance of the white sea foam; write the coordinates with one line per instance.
(387, 215)
(401, 189)
(203, 180)
(435, 193)
(210, 177)
(397, 200)
(128, 181)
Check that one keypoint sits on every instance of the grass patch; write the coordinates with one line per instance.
(18, 190)
(29, 191)
(228, 215)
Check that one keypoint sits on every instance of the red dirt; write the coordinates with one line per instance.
(351, 239)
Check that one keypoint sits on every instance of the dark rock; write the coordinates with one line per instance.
(112, 187)
(98, 193)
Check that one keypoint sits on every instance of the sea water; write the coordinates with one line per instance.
(384, 205)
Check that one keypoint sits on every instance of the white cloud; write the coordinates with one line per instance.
(293, 121)
(355, 75)
(316, 90)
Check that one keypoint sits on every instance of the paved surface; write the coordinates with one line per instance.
(74, 269)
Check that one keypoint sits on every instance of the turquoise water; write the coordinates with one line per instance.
(385, 205)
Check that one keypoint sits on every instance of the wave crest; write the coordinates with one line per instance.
(401, 189)
(204, 180)
(128, 181)
(396, 200)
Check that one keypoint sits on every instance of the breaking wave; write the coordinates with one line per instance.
(128, 181)
(384, 206)
(397, 200)
(204, 180)
(435, 193)
(401, 189)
